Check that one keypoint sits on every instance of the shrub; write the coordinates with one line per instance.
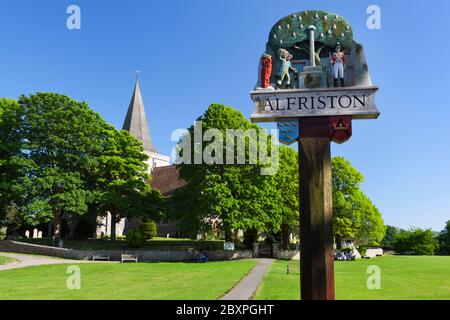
(150, 229)
(362, 250)
(415, 242)
(136, 238)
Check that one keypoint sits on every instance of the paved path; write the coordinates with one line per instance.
(32, 260)
(245, 289)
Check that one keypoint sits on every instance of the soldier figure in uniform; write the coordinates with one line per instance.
(338, 61)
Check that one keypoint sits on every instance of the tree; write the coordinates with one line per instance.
(62, 138)
(15, 185)
(236, 194)
(286, 184)
(415, 242)
(444, 239)
(150, 229)
(372, 228)
(122, 180)
(60, 160)
(330, 31)
(355, 216)
(391, 234)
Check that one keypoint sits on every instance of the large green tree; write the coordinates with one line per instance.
(60, 160)
(15, 185)
(62, 138)
(236, 194)
(444, 239)
(286, 184)
(122, 181)
(355, 216)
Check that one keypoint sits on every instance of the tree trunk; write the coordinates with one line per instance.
(49, 229)
(285, 236)
(228, 234)
(57, 218)
(338, 243)
(72, 226)
(94, 222)
(250, 237)
(235, 235)
(113, 226)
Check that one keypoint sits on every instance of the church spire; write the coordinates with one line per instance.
(136, 120)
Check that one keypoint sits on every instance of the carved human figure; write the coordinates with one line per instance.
(284, 68)
(338, 61)
(266, 70)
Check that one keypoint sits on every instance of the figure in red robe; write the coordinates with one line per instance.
(266, 70)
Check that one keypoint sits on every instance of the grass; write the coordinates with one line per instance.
(154, 244)
(5, 260)
(144, 281)
(402, 278)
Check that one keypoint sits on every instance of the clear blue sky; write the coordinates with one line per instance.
(213, 47)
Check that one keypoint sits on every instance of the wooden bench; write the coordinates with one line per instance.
(100, 258)
(129, 257)
(292, 266)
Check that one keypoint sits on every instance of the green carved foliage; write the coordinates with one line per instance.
(293, 29)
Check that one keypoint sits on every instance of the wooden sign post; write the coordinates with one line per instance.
(324, 113)
(316, 218)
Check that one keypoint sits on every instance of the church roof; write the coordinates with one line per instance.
(136, 121)
(167, 180)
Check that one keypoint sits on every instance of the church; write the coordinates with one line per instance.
(164, 176)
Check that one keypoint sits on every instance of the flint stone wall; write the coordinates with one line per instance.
(115, 255)
(287, 255)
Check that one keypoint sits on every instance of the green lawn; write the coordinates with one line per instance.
(402, 277)
(149, 281)
(5, 260)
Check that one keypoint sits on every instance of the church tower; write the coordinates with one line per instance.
(136, 124)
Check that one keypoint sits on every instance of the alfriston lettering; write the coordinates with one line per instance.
(290, 102)
(315, 102)
(361, 101)
(342, 103)
(302, 101)
(268, 103)
(278, 104)
(332, 100)
(322, 102)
